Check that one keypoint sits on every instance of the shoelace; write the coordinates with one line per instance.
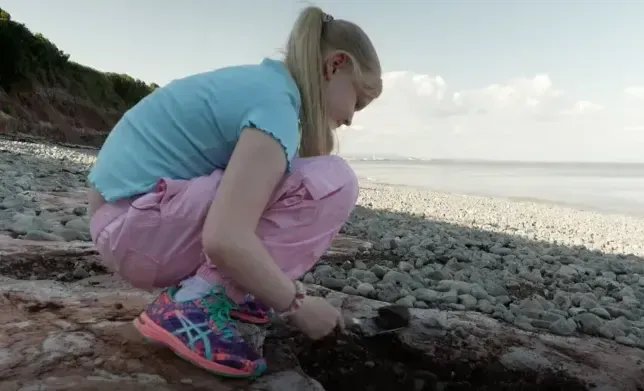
(218, 306)
(251, 303)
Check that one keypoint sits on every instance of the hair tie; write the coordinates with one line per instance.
(326, 17)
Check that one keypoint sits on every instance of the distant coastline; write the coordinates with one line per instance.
(371, 184)
(613, 187)
(412, 160)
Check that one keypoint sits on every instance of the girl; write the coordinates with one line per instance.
(197, 190)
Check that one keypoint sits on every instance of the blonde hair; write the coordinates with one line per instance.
(314, 35)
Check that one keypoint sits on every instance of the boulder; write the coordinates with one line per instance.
(56, 336)
(77, 335)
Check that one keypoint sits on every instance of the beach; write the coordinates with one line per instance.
(599, 186)
(430, 248)
(538, 220)
(539, 267)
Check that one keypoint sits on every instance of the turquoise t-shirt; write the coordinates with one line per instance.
(190, 127)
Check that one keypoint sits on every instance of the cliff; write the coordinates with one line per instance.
(45, 96)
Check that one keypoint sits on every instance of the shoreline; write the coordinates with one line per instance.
(540, 221)
(578, 207)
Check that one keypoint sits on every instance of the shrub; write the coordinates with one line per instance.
(29, 57)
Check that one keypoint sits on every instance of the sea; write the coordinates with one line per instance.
(604, 187)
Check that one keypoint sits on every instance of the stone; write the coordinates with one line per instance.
(407, 301)
(468, 301)
(379, 271)
(425, 294)
(41, 235)
(363, 275)
(366, 289)
(333, 283)
(396, 276)
(388, 292)
(360, 265)
(78, 224)
(589, 323)
(601, 312)
(485, 306)
(80, 211)
(567, 272)
(563, 327)
(349, 290)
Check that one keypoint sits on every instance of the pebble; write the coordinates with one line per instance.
(363, 275)
(563, 327)
(36, 168)
(349, 290)
(589, 323)
(360, 265)
(365, 289)
(468, 301)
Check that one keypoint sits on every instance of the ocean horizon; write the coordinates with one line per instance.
(610, 187)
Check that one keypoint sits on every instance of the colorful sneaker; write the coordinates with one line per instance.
(202, 332)
(252, 311)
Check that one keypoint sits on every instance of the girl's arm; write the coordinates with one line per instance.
(257, 164)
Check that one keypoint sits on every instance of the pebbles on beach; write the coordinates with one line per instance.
(28, 172)
(537, 266)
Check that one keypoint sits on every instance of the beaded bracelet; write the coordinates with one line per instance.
(300, 294)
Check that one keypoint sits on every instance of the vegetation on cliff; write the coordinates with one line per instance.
(30, 60)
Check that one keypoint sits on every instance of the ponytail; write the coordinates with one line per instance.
(304, 60)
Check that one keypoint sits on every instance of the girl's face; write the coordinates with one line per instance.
(343, 95)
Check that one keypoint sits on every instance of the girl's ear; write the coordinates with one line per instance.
(339, 60)
(333, 63)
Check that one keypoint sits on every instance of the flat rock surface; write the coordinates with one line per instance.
(79, 336)
(56, 336)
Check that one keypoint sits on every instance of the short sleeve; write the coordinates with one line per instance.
(279, 119)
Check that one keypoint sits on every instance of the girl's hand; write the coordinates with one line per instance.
(317, 318)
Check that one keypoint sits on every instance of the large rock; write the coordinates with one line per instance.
(78, 336)
(56, 336)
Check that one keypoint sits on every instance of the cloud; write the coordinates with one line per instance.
(526, 118)
(634, 92)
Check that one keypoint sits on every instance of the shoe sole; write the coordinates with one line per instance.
(156, 335)
(251, 319)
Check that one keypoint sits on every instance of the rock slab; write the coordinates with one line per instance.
(54, 336)
(58, 336)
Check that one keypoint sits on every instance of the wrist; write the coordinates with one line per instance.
(298, 297)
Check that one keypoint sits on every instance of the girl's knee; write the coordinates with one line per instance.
(319, 192)
(347, 194)
(330, 178)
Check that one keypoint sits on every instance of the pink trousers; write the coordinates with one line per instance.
(154, 240)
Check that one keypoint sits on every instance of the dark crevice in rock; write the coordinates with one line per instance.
(382, 363)
(63, 267)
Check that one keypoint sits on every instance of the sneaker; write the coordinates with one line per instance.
(252, 311)
(202, 332)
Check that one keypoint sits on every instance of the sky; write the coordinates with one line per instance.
(502, 80)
